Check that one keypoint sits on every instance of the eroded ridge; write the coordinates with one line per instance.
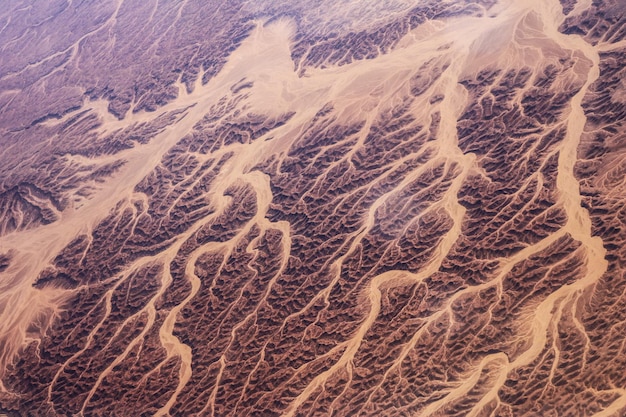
(421, 217)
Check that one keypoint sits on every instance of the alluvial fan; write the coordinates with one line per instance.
(309, 208)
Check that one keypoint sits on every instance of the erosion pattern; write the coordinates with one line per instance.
(401, 208)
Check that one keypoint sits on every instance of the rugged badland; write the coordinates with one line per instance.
(308, 208)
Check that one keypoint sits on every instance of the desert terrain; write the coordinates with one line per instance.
(398, 208)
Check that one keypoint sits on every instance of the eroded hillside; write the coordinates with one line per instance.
(388, 209)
